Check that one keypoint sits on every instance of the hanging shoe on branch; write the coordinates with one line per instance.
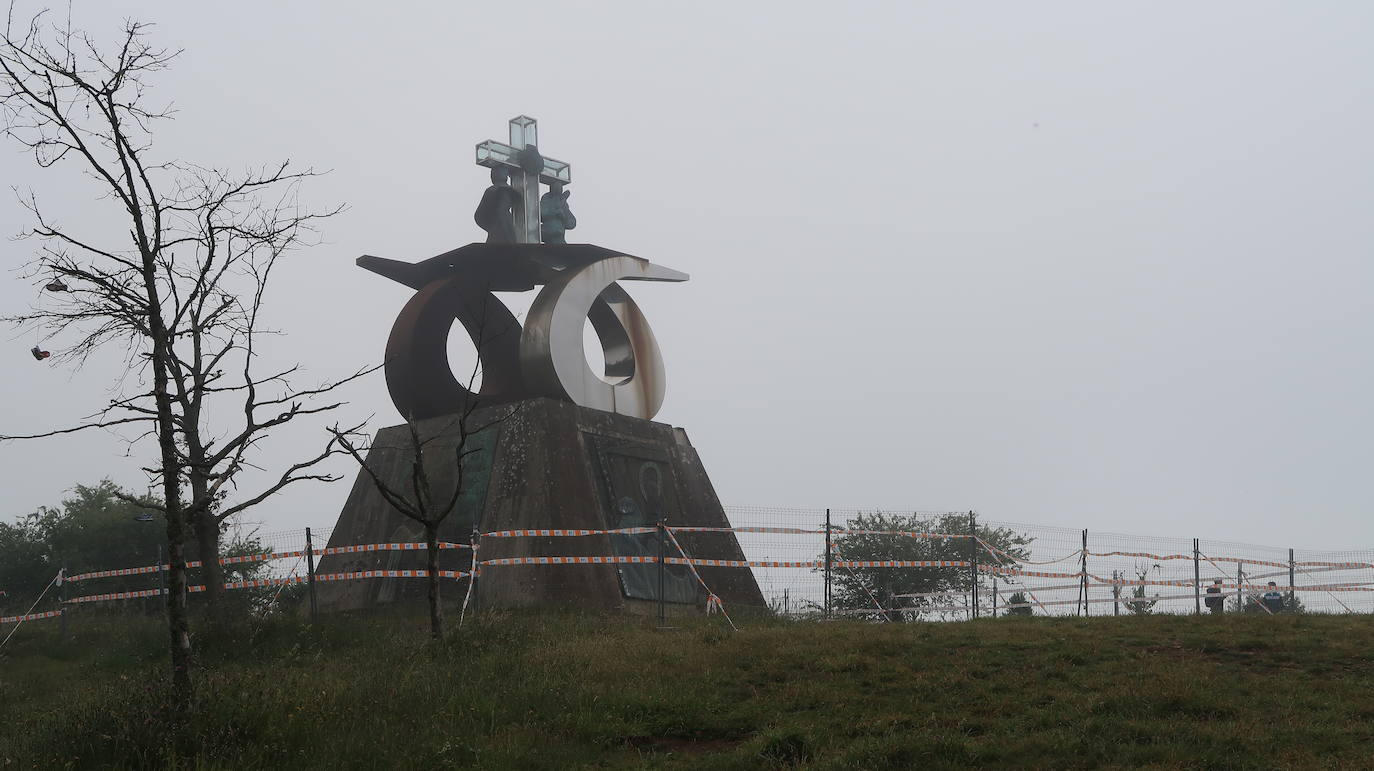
(56, 285)
(39, 353)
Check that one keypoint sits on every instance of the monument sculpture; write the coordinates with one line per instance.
(496, 213)
(555, 216)
(567, 448)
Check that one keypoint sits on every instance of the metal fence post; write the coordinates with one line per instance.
(1240, 593)
(310, 574)
(827, 563)
(1292, 582)
(475, 543)
(661, 555)
(1085, 573)
(61, 600)
(1197, 579)
(973, 561)
(161, 578)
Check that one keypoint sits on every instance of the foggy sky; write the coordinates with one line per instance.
(1082, 264)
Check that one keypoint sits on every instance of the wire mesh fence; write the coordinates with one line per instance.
(861, 563)
(1059, 570)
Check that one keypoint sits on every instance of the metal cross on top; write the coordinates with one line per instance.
(527, 168)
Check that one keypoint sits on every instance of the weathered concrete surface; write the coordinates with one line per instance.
(547, 464)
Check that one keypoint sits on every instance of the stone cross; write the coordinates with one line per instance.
(527, 168)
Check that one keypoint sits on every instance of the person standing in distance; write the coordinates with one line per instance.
(1215, 602)
(1273, 598)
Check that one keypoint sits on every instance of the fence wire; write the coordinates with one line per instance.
(1020, 568)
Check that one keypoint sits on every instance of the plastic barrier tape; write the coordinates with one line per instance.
(1001, 571)
(1141, 554)
(636, 560)
(267, 582)
(29, 617)
(357, 549)
(417, 546)
(566, 532)
(1237, 560)
(1002, 554)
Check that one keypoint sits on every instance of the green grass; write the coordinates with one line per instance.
(524, 691)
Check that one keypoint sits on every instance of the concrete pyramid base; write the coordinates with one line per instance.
(544, 464)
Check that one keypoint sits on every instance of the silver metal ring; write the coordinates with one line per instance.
(551, 352)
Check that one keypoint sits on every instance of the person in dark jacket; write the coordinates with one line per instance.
(1273, 598)
(1215, 602)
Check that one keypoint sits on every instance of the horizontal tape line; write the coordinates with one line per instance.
(29, 617)
(639, 560)
(566, 532)
(324, 551)
(570, 532)
(266, 582)
(1238, 560)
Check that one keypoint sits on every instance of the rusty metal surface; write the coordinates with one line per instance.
(418, 374)
(545, 357)
(551, 354)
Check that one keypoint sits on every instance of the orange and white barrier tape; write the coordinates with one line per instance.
(271, 556)
(1238, 560)
(899, 563)
(1140, 554)
(565, 532)
(1010, 588)
(713, 602)
(120, 572)
(1004, 571)
(903, 533)
(833, 552)
(618, 560)
(998, 553)
(124, 595)
(29, 617)
(821, 563)
(715, 563)
(269, 582)
(719, 563)
(777, 530)
(384, 574)
(373, 547)
(1098, 580)
(1244, 561)
(1001, 554)
(706, 529)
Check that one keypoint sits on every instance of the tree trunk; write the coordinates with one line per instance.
(436, 611)
(177, 621)
(211, 572)
(203, 519)
(178, 625)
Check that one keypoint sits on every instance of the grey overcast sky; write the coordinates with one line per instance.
(1101, 265)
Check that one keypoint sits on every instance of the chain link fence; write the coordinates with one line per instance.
(882, 565)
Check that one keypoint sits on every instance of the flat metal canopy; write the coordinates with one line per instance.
(507, 267)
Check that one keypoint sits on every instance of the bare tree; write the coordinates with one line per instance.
(181, 291)
(422, 500)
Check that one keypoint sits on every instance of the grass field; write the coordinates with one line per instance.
(512, 691)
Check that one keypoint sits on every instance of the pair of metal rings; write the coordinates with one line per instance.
(543, 358)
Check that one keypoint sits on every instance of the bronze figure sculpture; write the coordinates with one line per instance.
(555, 218)
(497, 209)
